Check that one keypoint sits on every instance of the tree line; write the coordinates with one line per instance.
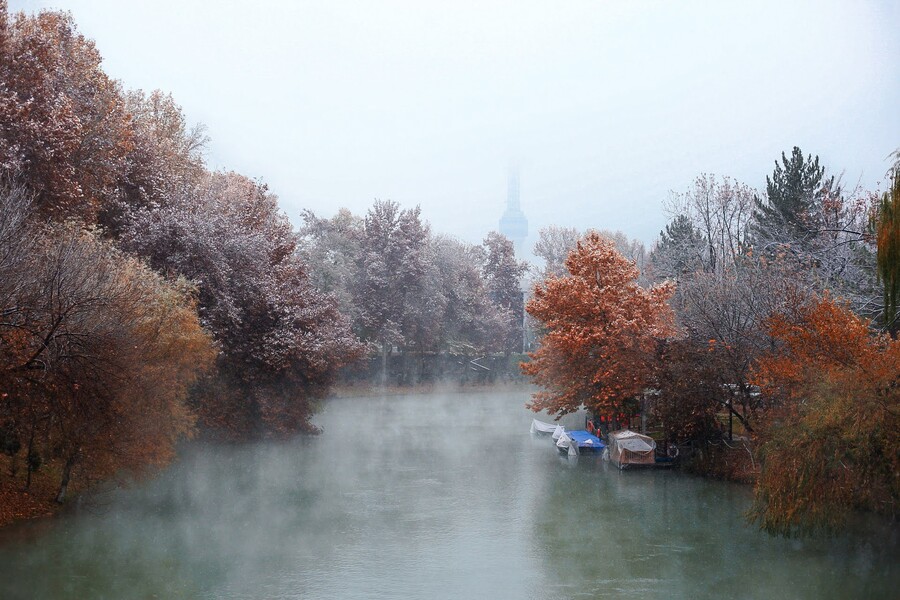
(143, 297)
(773, 313)
(408, 290)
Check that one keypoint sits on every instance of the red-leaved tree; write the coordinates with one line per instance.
(601, 331)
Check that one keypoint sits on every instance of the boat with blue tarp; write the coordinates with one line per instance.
(578, 442)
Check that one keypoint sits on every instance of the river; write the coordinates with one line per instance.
(431, 496)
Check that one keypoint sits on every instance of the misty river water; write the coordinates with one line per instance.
(426, 496)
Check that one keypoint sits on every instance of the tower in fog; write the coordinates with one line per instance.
(513, 223)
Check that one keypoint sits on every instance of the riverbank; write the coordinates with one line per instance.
(18, 504)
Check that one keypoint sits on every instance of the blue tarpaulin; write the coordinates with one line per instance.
(585, 439)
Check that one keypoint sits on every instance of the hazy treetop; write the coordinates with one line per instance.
(604, 105)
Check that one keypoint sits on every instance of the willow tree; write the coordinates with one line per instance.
(829, 446)
(887, 233)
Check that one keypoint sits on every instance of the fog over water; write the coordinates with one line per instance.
(426, 496)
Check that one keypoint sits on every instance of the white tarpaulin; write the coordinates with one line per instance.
(541, 427)
(558, 431)
(568, 444)
(634, 445)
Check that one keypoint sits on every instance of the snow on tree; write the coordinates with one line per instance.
(791, 207)
(282, 341)
(64, 129)
(887, 231)
(502, 275)
(390, 277)
(602, 330)
(553, 247)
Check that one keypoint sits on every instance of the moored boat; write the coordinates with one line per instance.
(541, 427)
(579, 442)
(631, 449)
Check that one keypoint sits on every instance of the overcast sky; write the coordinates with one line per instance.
(606, 106)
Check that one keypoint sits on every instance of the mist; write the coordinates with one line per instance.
(441, 495)
(605, 107)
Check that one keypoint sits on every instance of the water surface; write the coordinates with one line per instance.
(429, 497)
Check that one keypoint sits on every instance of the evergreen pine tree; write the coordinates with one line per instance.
(787, 215)
(679, 250)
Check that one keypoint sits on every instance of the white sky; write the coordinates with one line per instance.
(606, 106)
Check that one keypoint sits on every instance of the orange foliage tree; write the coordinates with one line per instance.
(64, 129)
(600, 331)
(97, 353)
(830, 445)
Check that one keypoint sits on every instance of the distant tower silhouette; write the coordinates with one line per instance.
(513, 223)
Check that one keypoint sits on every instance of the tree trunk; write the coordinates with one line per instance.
(28, 454)
(66, 476)
(384, 362)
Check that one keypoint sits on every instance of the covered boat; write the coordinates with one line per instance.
(541, 427)
(578, 442)
(628, 448)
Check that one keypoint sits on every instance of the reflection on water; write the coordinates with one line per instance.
(426, 496)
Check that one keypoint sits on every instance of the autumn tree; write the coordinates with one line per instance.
(98, 352)
(602, 329)
(64, 129)
(830, 446)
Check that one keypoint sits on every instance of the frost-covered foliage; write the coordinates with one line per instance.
(412, 291)
(736, 263)
(64, 128)
(92, 154)
(555, 243)
(467, 319)
(388, 290)
(503, 279)
(886, 223)
(165, 160)
(281, 340)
